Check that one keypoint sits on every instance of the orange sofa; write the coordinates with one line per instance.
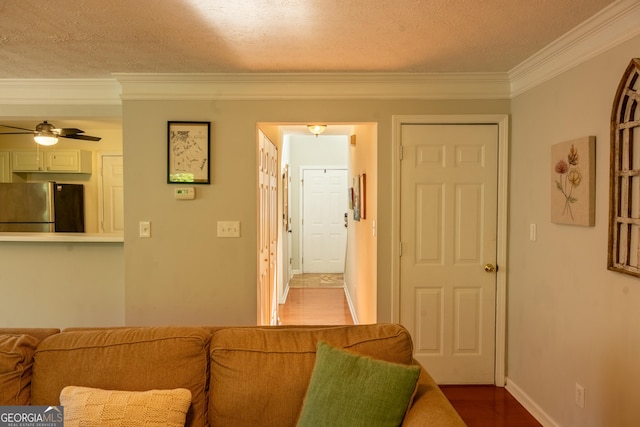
(237, 376)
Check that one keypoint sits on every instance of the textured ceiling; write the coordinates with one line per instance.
(94, 38)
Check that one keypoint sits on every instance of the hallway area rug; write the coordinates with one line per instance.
(317, 280)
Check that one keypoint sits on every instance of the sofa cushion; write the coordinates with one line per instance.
(85, 406)
(259, 376)
(39, 333)
(16, 360)
(134, 359)
(351, 390)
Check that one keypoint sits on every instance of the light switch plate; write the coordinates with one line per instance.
(145, 229)
(228, 228)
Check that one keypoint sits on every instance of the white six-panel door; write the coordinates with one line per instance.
(323, 230)
(448, 215)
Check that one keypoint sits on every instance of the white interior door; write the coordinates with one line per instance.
(448, 215)
(112, 194)
(324, 235)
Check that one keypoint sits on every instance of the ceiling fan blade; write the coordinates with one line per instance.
(70, 133)
(67, 131)
(14, 127)
(83, 137)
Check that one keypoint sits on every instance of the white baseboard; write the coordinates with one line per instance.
(352, 309)
(285, 294)
(530, 405)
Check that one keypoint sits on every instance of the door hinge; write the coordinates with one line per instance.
(401, 152)
(400, 248)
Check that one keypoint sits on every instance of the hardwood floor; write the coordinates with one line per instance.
(314, 306)
(315, 300)
(488, 406)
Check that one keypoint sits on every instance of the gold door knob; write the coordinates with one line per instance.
(490, 268)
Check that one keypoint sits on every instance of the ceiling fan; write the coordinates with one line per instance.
(47, 134)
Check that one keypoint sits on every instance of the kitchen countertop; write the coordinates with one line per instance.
(61, 237)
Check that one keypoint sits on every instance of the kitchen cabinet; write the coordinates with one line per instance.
(5, 166)
(52, 161)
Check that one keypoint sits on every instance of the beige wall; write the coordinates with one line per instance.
(184, 274)
(570, 319)
(362, 250)
(61, 284)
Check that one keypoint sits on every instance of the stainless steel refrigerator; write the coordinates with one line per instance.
(41, 207)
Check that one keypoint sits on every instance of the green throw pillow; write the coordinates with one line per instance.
(351, 390)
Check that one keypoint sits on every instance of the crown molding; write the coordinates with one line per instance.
(60, 91)
(264, 86)
(610, 27)
(256, 86)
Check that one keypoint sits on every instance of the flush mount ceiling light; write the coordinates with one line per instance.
(316, 129)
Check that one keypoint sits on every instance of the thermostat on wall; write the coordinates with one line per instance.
(185, 193)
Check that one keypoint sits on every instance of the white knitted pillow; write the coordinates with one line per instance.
(84, 406)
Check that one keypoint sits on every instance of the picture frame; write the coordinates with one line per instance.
(285, 198)
(356, 198)
(188, 151)
(363, 196)
(573, 182)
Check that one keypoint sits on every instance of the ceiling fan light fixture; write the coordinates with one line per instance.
(44, 134)
(46, 138)
(316, 129)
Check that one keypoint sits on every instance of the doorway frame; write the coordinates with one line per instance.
(502, 121)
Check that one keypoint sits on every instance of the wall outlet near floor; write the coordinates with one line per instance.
(579, 395)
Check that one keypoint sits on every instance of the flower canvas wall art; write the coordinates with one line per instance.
(573, 182)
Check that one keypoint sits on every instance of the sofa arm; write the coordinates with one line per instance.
(430, 406)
